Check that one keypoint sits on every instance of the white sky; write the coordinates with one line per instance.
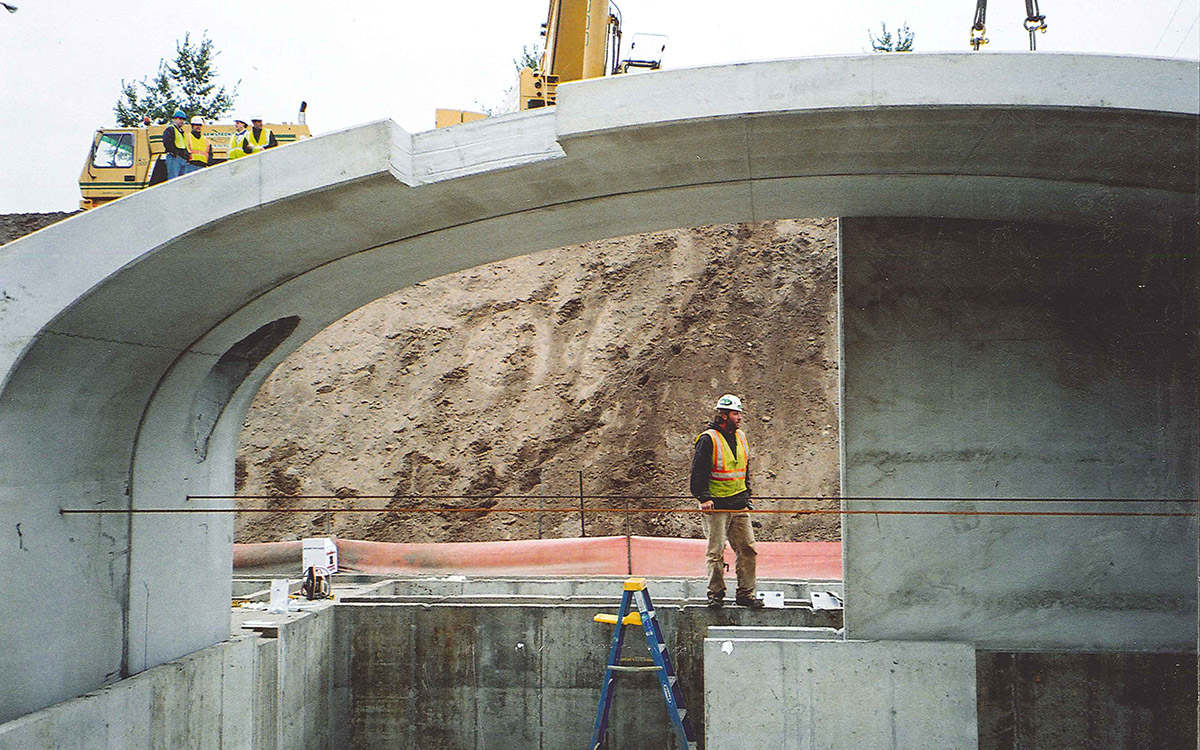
(63, 60)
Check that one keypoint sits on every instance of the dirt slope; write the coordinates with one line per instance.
(15, 226)
(603, 358)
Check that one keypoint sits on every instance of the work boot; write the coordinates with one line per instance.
(716, 601)
(750, 602)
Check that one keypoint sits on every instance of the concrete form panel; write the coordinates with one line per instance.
(113, 319)
(997, 363)
(812, 694)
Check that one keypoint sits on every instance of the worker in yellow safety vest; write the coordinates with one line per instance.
(260, 138)
(199, 149)
(237, 141)
(720, 483)
(174, 141)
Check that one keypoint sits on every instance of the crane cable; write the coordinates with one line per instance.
(977, 37)
(1034, 22)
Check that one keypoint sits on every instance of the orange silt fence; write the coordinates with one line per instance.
(611, 555)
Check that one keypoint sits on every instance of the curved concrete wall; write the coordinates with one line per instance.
(125, 330)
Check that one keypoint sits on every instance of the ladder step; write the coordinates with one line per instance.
(643, 614)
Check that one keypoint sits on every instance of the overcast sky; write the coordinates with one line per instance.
(354, 62)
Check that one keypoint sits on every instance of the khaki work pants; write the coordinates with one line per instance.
(736, 529)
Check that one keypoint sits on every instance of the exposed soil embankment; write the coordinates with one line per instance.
(14, 226)
(509, 379)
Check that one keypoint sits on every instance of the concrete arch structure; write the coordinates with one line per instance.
(133, 337)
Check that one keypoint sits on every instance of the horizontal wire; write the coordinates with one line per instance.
(757, 498)
(1087, 514)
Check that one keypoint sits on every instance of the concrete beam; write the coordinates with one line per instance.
(135, 335)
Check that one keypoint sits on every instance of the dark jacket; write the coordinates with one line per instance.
(702, 465)
(168, 141)
(271, 142)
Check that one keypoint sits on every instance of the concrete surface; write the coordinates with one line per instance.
(275, 692)
(201, 701)
(134, 335)
(761, 632)
(596, 587)
(456, 675)
(997, 360)
(819, 695)
(1110, 701)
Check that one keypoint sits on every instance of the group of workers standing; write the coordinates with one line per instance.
(188, 150)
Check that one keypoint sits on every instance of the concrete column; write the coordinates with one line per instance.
(1004, 362)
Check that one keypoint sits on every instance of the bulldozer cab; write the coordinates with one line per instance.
(117, 165)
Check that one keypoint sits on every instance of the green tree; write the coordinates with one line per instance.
(187, 83)
(531, 57)
(886, 42)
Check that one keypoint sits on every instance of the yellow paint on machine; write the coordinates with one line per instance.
(122, 161)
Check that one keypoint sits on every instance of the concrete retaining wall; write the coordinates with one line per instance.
(298, 703)
(457, 675)
(496, 676)
(200, 701)
(256, 693)
(1002, 361)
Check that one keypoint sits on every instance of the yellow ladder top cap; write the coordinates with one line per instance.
(635, 584)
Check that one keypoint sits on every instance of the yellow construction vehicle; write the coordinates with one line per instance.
(122, 161)
(583, 40)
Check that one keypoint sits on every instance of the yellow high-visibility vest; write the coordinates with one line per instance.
(259, 144)
(180, 137)
(237, 143)
(197, 149)
(727, 477)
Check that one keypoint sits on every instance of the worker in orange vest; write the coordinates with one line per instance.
(199, 148)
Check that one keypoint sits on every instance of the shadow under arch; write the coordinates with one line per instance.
(227, 375)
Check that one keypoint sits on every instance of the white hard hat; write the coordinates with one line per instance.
(197, 120)
(730, 402)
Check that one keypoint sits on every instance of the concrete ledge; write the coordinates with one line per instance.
(935, 80)
(750, 632)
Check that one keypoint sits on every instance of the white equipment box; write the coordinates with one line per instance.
(319, 553)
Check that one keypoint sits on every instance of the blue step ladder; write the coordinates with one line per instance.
(637, 597)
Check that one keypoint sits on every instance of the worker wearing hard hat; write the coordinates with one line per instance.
(720, 482)
(199, 148)
(174, 141)
(260, 138)
(237, 141)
